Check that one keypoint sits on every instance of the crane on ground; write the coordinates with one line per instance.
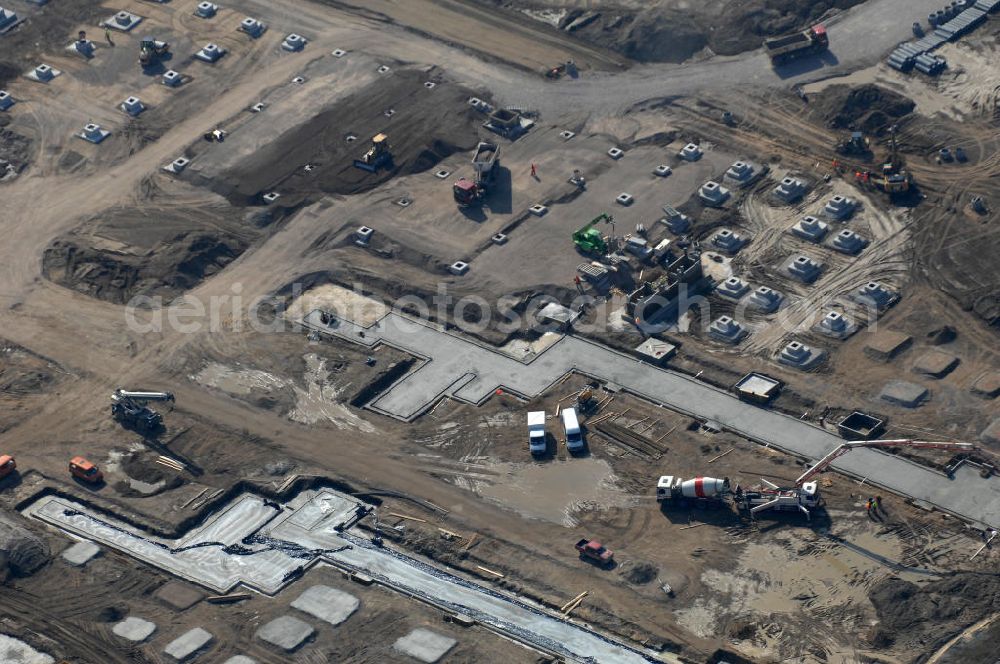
(130, 409)
(804, 495)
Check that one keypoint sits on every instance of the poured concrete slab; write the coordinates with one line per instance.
(935, 363)
(240, 659)
(286, 632)
(425, 645)
(987, 385)
(886, 345)
(81, 553)
(134, 629)
(178, 595)
(902, 393)
(326, 603)
(991, 434)
(189, 645)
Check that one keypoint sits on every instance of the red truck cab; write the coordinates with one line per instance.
(7, 465)
(85, 470)
(594, 550)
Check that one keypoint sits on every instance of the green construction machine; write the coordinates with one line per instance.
(588, 240)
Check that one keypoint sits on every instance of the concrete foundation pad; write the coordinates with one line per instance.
(240, 659)
(178, 595)
(188, 645)
(886, 345)
(936, 364)
(81, 553)
(425, 645)
(133, 629)
(987, 385)
(286, 632)
(326, 603)
(902, 393)
(991, 434)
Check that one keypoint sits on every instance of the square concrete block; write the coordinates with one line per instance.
(286, 632)
(81, 553)
(425, 645)
(134, 629)
(187, 646)
(935, 363)
(327, 604)
(987, 385)
(886, 345)
(178, 595)
(902, 393)
(991, 434)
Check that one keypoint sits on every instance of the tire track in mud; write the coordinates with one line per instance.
(78, 640)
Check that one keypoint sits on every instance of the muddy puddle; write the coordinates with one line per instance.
(553, 491)
(321, 400)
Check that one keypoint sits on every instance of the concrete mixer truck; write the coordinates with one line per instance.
(672, 490)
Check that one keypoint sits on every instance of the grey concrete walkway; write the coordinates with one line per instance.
(457, 367)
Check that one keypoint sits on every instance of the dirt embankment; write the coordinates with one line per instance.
(152, 251)
(423, 127)
(673, 30)
(928, 615)
(868, 108)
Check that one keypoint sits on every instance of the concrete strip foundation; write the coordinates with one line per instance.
(456, 367)
(304, 532)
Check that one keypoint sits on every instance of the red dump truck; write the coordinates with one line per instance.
(788, 48)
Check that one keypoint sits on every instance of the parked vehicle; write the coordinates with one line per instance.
(7, 465)
(83, 469)
(537, 444)
(571, 425)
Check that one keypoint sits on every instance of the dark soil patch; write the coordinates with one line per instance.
(154, 252)
(868, 108)
(46, 29)
(662, 32)
(912, 614)
(641, 573)
(424, 128)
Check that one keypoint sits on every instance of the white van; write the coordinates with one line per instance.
(574, 437)
(536, 433)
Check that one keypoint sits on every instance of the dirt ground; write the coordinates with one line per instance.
(424, 126)
(672, 30)
(25, 379)
(98, 225)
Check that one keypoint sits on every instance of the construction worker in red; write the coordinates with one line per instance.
(534, 171)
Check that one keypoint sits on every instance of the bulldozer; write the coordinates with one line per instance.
(588, 240)
(152, 51)
(378, 156)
